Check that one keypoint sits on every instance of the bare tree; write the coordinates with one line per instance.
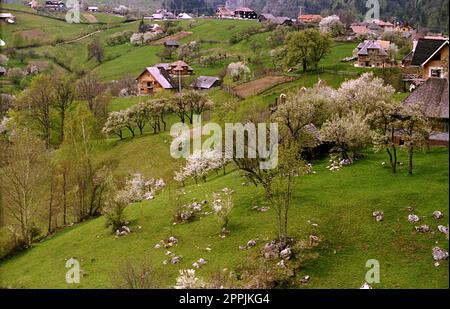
(22, 177)
(37, 99)
(89, 87)
(64, 87)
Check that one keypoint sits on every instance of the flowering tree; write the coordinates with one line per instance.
(349, 133)
(199, 164)
(415, 130)
(238, 71)
(115, 124)
(362, 95)
(222, 205)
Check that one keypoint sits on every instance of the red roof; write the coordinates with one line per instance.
(310, 18)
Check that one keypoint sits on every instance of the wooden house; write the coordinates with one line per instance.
(430, 56)
(154, 79)
(223, 12)
(180, 68)
(433, 94)
(245, 13)
(372, 53)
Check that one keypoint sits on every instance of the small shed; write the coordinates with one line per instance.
(172, 44)
(206, 82)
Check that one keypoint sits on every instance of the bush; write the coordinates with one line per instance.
(119, 38)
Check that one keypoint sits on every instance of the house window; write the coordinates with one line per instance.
(437, 72)
(446, 127)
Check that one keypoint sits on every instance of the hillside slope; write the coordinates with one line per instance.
(350, 236)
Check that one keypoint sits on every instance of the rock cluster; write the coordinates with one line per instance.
(378, 215)
(438, 215)
(123, 231)
(422, 229)
(439, 254)
(413, 218)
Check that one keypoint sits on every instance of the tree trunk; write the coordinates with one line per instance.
(411, 152)
(50, 207)
(64, 197)
(61, 132)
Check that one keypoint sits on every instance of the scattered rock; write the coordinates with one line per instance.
(422, 229)
(157, 246)
(439, 254)
(378, 215)
(251, 244)
(443, 229)
(413, 218)
(313, 240)
(173, 240)
(123, 231)
(305, 279)
(271, 250)
(437, 264)
(204, 202)
(201, 261)
(196, 265)
(242, 247)
(365, 286)
(175, 260)
(281, 264)
(438, 215)
(285, 254)
(168, 253)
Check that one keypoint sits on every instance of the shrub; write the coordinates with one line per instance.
(119, 38)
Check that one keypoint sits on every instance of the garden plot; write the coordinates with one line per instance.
(260, 85)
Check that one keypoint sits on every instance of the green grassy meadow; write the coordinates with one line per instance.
(341, 203)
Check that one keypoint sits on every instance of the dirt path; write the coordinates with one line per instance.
(175, 37)
(260, 85)
(80, 38)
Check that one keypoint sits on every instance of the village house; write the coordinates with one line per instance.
(310, 18)
(384, 25)
(93, 9)
(433, 94)
(180, 68)
(8, 18)
(206, 82)
(245, 13)
(372, 53)
(54, 5)
(269, 18)
(430, 57)
(154, 79)
(184, 16)
(224, 13)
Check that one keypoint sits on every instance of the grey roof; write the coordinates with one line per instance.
(160, 77)
(267, 15)
(434, 95)
(439, 136)
(171, 43)
(371, 45)
(205, 82)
